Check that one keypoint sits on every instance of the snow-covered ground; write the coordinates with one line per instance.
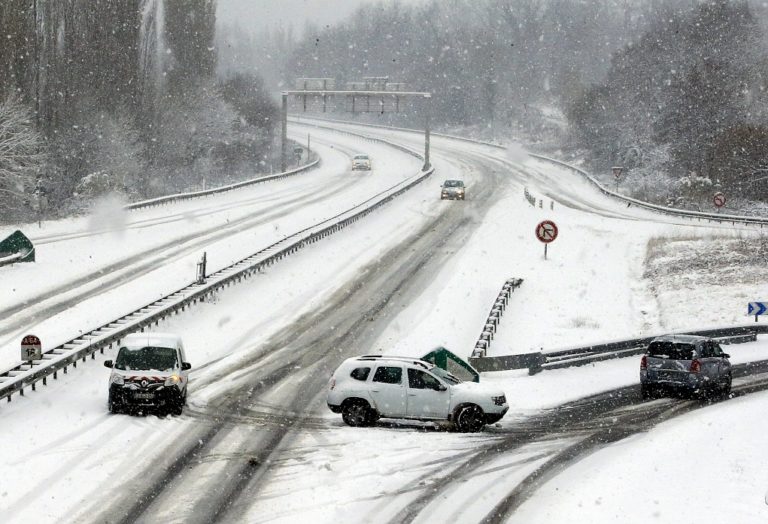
(94, 269)
(59, 448)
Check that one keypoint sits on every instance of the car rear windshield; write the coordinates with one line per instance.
(146, 358)
(671, 350)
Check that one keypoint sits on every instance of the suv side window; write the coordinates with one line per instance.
(360, 374)
(420, 380)
(388, 375)
(711, 349)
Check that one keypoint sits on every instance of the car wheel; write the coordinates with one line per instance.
(358, 413)
(645, 391)
(469, 418)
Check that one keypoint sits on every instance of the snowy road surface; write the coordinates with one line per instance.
(257, 444)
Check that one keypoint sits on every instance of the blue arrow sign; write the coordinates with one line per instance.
(757, 308)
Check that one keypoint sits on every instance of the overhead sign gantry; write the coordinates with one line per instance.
(371, 95)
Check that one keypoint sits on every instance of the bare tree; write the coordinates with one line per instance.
(20, 156)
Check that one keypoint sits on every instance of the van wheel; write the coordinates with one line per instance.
(469, 418)
(357, 413)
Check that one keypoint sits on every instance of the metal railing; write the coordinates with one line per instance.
(579, 356)
(494, 316)
(59, 359)
(169, 199)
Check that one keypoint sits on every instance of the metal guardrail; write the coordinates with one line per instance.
(494, 317)
(11, 259)
(60, 358)
(168, 199)
(579, 356)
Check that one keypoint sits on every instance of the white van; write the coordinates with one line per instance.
(150, 371)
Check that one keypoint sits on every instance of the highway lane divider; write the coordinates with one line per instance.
(579, 356)
(28, 375)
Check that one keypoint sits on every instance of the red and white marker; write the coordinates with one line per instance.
(546, 232)
(719, 200)
(31, 348)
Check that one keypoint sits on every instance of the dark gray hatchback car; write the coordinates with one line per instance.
(685, 364)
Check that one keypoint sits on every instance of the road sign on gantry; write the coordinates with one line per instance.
(31, 348)
(546, 231)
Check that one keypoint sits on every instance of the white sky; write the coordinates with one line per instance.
(259, 14)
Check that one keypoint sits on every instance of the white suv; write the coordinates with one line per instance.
(363, 389)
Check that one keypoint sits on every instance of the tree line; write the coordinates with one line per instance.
(120, 96)
(673, 90)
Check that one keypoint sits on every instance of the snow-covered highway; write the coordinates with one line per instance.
(257, 443)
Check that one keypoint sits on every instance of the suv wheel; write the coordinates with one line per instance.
(727, 387)
(358, 413)
(646, 391)
(469, 418)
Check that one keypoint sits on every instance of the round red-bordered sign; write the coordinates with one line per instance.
(718, 200)
(546, 231)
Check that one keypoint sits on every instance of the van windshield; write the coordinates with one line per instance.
(146, 358)
(671, 350)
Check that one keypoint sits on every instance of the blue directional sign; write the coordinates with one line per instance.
(757, 308)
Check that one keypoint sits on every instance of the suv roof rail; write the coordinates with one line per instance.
(412, 360)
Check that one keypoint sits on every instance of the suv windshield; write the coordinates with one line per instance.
(672, 350)
(443, 374)
(453, 183)
(146, 358)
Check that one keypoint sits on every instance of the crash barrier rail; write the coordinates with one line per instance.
(168, 199)
(693, 215)
(10, 259)
(530, 198)
(61, 357)
(579, 356)
(494, 316)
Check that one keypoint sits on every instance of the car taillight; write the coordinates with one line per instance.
(695, 366)
(332, 383)
(644, 362)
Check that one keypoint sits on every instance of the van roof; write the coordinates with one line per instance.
(152, 339)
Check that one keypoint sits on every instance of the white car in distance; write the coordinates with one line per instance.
(364, 389)
(361, 162)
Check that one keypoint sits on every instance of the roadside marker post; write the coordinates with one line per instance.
(617, 170)
(31, 348)
(546, 232)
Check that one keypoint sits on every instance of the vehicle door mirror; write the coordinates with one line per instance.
(440, 387)
(185, 366)
(108, 364)
(726, 355)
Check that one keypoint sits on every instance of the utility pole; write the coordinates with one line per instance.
(284, 136)
(427, 110)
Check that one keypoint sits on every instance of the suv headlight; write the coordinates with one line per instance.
(172, 380)
(116, 379)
